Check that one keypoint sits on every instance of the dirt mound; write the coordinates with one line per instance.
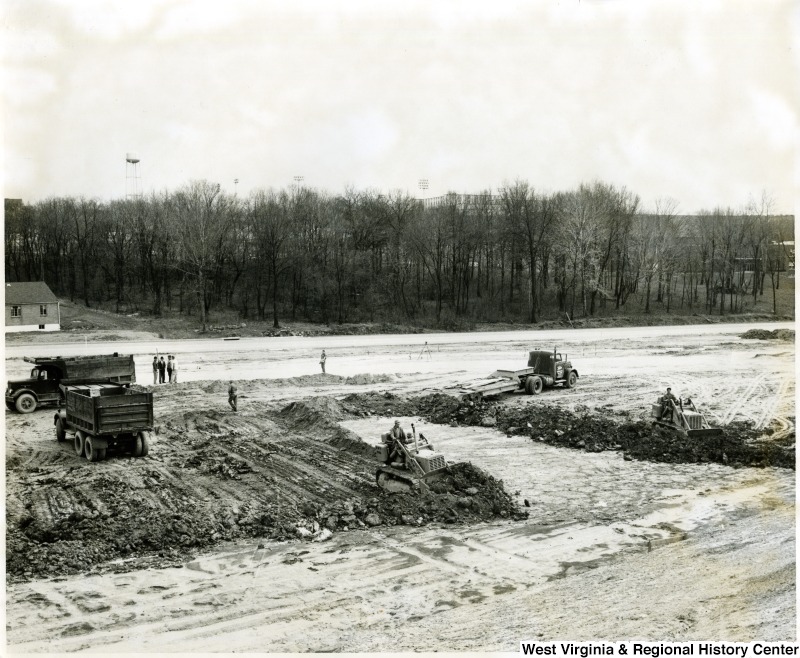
(313, 413)
(368, 379)
(435, 405)
(766, 334)
(215, 476)
(741, 445)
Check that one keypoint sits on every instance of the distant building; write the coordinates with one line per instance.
(31, 306)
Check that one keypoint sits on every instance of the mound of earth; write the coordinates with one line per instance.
(313, 413)
(740, 445)
(215, 476)
(766, 334)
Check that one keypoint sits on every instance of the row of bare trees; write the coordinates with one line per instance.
(517, 254)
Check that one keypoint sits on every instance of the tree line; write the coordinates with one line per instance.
(513, 254)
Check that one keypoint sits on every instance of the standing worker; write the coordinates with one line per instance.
(155, 369)
(174, 370)
(162, 370)
(322, 360)
(232, 396)
(169, 368)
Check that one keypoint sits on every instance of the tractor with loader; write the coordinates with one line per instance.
(681, 415)
(409, 464)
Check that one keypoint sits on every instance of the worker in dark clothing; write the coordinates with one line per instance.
(667, 401)
(396, 434)
(233, 396)
(162, 370)
(155, 370)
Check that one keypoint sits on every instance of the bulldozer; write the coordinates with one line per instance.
(416, 463)
(682, 416)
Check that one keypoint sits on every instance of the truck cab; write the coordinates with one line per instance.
(552, 367)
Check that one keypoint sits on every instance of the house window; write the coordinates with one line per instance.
(43, 310)
(16, 311)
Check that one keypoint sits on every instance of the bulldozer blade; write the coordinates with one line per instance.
(710, 431)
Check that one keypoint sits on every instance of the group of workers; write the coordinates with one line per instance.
(165, 371)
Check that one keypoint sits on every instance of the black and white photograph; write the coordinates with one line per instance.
(399, 327)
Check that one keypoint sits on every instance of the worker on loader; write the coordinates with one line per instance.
(396, 434)
(667, 402)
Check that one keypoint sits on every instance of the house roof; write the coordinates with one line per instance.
(29, 292)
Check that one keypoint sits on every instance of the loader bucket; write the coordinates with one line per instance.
(710, 431)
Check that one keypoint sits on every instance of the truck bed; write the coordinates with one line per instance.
(108, 409)
(119, 368)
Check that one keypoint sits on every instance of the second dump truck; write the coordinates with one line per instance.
(48, 373)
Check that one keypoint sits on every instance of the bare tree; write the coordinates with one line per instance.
(202, 219)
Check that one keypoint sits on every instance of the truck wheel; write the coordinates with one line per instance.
(101, 454)
(78, 443)
(26, 403)
(61, 433)
(533, 385)
(145, 443)
(92, 454)
(137, 445)
(572, 379)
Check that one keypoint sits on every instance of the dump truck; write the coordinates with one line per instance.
(417, 463)
(103, 417)
(48, 373)
(545, 369)
(682, 416)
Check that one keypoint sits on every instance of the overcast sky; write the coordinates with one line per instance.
(696, 101)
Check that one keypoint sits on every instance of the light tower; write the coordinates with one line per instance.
(133, 181)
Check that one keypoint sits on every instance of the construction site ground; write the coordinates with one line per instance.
(568, 516)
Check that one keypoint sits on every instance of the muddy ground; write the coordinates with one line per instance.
(263, 529)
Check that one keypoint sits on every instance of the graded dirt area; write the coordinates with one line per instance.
(263, 530)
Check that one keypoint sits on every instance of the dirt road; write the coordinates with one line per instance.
(610, 549)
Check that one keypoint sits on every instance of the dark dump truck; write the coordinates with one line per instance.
(48, 373)
(105, 417)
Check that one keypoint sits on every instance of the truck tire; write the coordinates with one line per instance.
(143, 440)
(78, 443)
(145, 443)
(25, 403)
(572, 379)
(137, 445)
(92, 453)
(533, 385)
(61, 433)
(101, 454)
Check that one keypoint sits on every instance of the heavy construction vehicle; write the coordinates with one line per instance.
(682, 416)
(103, 417)
(48, 373)
(416, 463)
(544, 369)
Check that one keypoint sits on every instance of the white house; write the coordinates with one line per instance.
(31, 306)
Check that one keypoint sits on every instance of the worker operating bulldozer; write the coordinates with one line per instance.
(681, 415)
(410, 463)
